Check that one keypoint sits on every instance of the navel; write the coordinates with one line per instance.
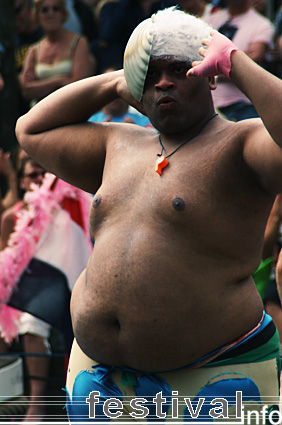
(178, 204)
(97, 201)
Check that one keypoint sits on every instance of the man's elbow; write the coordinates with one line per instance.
(22, 133)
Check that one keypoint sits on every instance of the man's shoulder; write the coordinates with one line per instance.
(240, 129)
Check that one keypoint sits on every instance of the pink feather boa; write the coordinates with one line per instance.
(32, 222)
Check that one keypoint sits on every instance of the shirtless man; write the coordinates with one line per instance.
(168, 286)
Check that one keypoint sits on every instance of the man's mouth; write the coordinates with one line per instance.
(165, 100)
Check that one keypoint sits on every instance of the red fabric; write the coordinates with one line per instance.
(73, 208)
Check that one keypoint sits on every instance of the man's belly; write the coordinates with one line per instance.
(159, 325)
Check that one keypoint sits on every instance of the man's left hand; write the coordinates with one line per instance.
(217, 57)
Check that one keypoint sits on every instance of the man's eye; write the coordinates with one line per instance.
(151, 73)
(180, 70)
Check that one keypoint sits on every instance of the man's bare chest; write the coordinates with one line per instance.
(197, 183)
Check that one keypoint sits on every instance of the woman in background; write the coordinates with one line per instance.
(59, 58)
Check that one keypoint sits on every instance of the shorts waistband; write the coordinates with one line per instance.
(260, 344)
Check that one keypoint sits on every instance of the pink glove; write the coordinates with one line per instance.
(216, 57)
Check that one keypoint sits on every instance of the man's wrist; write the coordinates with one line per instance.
(227, 65)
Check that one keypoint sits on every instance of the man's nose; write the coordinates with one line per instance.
(164, 82)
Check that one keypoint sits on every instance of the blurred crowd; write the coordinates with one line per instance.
(57, 42)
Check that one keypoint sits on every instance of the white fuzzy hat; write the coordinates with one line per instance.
(168, 33)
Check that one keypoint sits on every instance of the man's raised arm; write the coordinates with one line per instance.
(55, 132)
(222, 57)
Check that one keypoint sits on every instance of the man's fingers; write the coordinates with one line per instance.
(191, 70)
(202, 51)
(206, 41)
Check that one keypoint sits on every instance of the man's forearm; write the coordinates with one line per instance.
(71, 104)
(262, 88)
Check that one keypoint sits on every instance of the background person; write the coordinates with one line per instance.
(36, 339)
(51, 223)
(199, 8)
(60, 58)
(81, 19)
(252, 33)
(273, 62)
(7, 170)
(28, 32)
(117, 19)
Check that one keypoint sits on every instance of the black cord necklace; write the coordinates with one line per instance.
(162, 161)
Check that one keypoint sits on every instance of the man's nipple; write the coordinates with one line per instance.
(96, 201)
(178, 204)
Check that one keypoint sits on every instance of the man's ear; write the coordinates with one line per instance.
(212, 83)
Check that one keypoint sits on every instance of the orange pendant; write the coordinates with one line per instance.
(161, 163)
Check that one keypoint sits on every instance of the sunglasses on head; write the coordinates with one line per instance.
(46, 9)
